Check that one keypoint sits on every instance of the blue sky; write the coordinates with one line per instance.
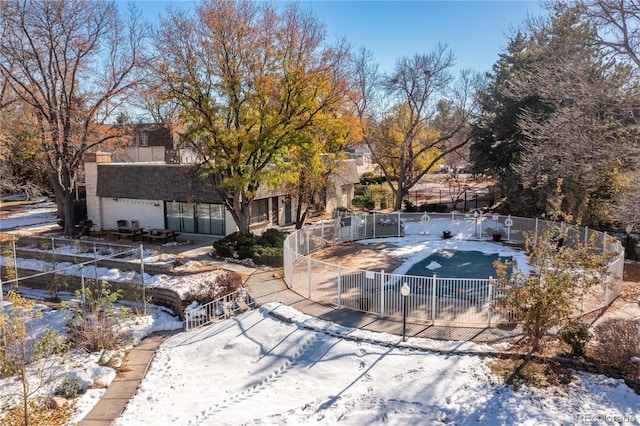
(474, 30)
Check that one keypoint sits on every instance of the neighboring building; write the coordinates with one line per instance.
(153, 184)
(173, 196)
(150, 142)
(341, 186)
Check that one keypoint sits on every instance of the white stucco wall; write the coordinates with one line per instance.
(140, 154)
(148, 213)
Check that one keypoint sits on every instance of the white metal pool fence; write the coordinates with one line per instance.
(442, 301)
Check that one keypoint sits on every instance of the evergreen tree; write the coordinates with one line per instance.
(553, 124)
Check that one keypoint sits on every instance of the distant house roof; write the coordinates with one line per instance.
(160, 182)
(151, 134)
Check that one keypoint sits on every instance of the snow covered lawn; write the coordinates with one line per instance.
(77, 363)
(256, 369)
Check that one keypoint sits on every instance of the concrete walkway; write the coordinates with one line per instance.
(125, 385)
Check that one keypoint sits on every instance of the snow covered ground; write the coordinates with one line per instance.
(255, 369)
(78, 363)
(33, 216)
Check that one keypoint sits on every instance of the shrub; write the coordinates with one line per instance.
(99, 324)
(229, 282)
(543, 299)
(229, 245)
(209, 290)
(409, 207)
(364, 202)
(617, 343)
(70, 387)
(203, 292)
(435, 208)
(245, 252)
(270, 256)
(576, 335)
(22, 345)
(272, 238)
(246, 246)
(223, 249)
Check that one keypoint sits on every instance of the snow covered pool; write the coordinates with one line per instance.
(451, 263)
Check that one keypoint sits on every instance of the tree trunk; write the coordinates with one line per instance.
(300, 215)
(241, 212)
(400, 193)
(69, 214)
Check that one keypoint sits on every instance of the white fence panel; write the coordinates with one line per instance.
(432, 299)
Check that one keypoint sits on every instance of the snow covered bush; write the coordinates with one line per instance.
(219, 285)
(70, 387)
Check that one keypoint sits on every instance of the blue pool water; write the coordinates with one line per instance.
(446, 263)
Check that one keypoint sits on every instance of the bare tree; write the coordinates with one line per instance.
(576, 140)
(618, 26)
(626, 211)
(73, 63)
(412, 133)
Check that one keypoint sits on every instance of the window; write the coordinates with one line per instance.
(196, 218)
(143, 139)
(260, 211)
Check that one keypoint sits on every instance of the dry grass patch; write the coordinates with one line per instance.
(532, 373)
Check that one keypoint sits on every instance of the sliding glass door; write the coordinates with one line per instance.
(195, 218)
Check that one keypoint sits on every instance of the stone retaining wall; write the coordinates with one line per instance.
(130, 291)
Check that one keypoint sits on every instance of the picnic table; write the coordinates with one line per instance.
(161, 234)
(129, 232)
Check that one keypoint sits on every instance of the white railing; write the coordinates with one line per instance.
(221, 308)
(454, 301)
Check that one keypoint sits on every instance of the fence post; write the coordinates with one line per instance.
(95, 268)
(400, 227)
(339, 287)
(351, 228)
(382, 281)
(322, 232)
(53, 253)
(490, 299)
(586, 235)
(604, 243)
(536, 240)
(374, 224)
(144, 297)
(308, 226)
(15, 258)
(433, 299)
(308, 277)
(82, 286)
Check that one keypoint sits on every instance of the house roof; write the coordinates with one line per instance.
(160, 182)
